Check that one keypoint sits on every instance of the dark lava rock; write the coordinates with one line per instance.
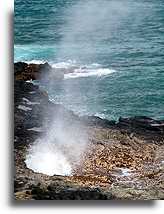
(24, 71)
(19, 67)
(69, 193)
(142, 124)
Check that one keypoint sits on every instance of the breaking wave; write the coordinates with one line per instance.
(75, 70)
(78, 73)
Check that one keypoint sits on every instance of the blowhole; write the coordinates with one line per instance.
(47, 159)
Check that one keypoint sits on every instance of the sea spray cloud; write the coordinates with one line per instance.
(89, 24)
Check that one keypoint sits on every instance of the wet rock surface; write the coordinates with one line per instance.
(124, 159)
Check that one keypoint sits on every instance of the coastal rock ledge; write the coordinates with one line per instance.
(25, 71)
(124, 158)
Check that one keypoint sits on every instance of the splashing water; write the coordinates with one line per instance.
(46, 158)
(79, 73)
(60, 150)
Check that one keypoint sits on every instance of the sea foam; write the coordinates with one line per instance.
(76, 70)
(79, 73)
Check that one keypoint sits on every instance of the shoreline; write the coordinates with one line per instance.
(135, 144)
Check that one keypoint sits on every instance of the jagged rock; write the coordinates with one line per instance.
(142, 122)
(37, 71)
(19, 67)
(145, 126)
(69, 193)
(24, 71)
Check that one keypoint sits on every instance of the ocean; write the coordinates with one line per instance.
(115, 48)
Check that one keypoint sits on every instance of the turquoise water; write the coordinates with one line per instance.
(116, 49)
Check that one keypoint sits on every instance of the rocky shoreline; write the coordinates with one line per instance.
(124, 160)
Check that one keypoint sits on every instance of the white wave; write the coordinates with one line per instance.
(72, 69)
(100, 115)
(79, 73)
(93, 65)
(35, 61)
(74, 64)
